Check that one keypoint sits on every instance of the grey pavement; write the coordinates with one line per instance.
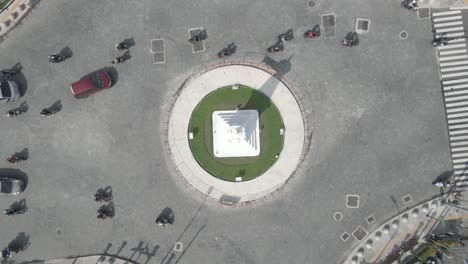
(379, 129)
(416, 223)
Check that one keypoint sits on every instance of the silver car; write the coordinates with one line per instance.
(11, 186)
(8, 91)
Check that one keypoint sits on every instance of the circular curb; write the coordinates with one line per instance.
(231, 192)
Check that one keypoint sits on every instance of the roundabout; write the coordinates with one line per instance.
(240, 186)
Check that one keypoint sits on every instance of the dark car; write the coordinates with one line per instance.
(8, 91)
(11, 186)
(91, 84)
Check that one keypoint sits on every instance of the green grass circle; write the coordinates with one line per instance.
(270, 123)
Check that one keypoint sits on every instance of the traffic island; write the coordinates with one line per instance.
(236, 133)
(233, 178)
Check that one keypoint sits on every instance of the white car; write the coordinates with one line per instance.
(8, 91)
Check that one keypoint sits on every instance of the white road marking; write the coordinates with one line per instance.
(453, 58)
(440, 19)
(446, 13)
(451, 46)
(448, 24)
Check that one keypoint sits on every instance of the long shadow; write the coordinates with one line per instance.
(138, 249)
(395, 203)
(57, 106)
(20, 243)
(189, 244)
(19, 205)
(66, 52)
(150, 254)
(124, 243)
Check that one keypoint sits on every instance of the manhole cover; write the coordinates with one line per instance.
(178, 246)
(312, 3)
(352, 201)
(359, 233)
(424, 13)
(158, 58)
(362, 25)
(403, 35)
(328, 20)
(338, 216)
(157, 45)
(198, 46)
(329, 32)
(407, 199)
(345, 236)
(370, 219)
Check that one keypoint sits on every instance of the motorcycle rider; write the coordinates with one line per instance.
(13, 112)
(47, 112)
(101, 197)
(56, 58)
(7, 73)
(14, 211)
(440, 41)
(122, 46)
(118, 60)
(102, 214)
(413, 4)
(162, 221)
(14, 159)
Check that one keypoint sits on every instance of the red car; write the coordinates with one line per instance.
(89, 85)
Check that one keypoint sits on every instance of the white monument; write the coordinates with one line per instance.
(236, 133)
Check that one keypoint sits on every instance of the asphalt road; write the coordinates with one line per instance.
(379, 129)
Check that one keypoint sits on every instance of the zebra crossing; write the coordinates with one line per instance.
(453, 65)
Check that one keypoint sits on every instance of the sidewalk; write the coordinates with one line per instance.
(13, 13)
(405, 231)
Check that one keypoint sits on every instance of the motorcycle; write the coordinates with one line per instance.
(443, 183)
(102, 214)
(224, 53)
(118, 60)
(8, 253)
(11, 211)
(410, 4)
(15, 159)
(13, 113)
(199, 37)
(350, 40)
(312, 33)
(442, 41)
(56, 58)
(99, 197)
(162, 221)
(277, 47)
(48, 112)
(122, 46)
(287, 36)
(7, 73)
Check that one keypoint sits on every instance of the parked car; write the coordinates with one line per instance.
(11, 186)
(91, 84)
(8, 91)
